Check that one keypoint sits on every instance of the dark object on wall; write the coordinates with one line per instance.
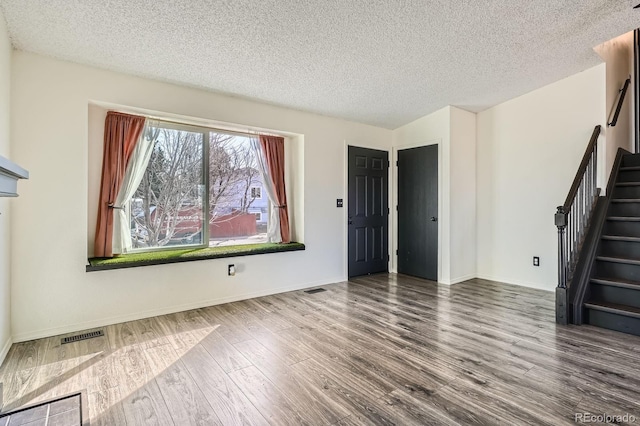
(621, 94)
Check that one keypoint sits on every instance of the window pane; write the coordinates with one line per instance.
(239, 212)
(167, 209)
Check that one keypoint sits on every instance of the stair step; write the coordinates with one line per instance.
(623, 218)
(621, 238)
(619, 260)
(612, 308)
(625, 200)
(628, 184)
(617, 282)
(629, 168)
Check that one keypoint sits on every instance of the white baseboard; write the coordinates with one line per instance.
(461, 279)
(451, 281)
(537, 286)
(54, 331)
(5, 349)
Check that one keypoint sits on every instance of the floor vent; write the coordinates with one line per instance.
(315, 290)
(83, 336)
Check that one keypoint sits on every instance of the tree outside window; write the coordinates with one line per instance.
(179, 190)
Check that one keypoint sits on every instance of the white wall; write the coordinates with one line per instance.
(528, 150)
(52, 293)
(462, 175)
(454, 130)
(502, 173)
(5, 214)
(618, 56)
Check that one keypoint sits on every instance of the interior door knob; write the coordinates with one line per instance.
(434, 219)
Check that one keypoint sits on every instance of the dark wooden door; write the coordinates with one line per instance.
(418, 212)
(368, 211)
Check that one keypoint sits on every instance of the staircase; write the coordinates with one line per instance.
(612, 298)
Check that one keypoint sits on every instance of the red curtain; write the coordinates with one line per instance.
(273, 147)
(121, 133)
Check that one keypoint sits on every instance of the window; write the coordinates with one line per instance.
(196, 173)
(256, 192)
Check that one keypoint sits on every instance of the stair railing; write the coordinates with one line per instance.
(621, 94)
(572, 218)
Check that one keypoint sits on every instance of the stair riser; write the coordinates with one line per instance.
(630, 160)
(624, 209)
(613, 321)
(617, 295)
(617, 270)
(623, 299)
(627, 229)
(619, 249)
(629, 176)
(626, 192)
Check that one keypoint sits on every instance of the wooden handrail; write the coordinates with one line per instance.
(583, 167)
(622, 94)
(573, 217)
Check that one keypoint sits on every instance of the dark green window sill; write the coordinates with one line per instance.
(187, 255)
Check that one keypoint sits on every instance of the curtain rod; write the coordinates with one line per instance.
(249, 133)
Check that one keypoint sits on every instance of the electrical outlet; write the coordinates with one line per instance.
(231, 270)
(536, 261)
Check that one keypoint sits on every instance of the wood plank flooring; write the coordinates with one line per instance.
(383, 349)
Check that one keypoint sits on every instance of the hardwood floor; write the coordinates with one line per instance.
(383, 349)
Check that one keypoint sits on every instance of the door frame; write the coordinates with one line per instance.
(442, 220)
(345, 205)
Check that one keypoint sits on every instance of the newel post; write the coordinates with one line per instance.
(561, 291)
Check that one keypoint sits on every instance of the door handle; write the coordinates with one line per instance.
(350, 221)
(434, 219)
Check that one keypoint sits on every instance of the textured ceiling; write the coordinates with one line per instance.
(381, 62)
